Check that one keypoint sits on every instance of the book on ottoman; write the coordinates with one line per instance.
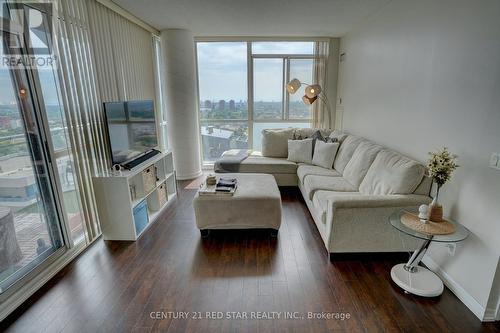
(225, 186)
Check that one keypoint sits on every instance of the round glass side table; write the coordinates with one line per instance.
(416, 279)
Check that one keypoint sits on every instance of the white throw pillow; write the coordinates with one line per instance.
(300, 151)
(274, 142)
(324, 154)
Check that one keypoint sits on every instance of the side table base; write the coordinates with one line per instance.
(420, 282)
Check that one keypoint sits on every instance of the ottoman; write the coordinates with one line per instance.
(256, 204)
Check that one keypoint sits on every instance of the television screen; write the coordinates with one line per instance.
(131, 129)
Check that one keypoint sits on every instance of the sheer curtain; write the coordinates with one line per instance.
(321, 110)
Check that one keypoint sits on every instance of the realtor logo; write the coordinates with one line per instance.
(29, 39)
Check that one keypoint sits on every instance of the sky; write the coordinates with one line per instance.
(222, 69)
(47, 80)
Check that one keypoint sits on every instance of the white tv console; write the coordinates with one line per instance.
(128, 202)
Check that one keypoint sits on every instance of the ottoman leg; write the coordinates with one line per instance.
(205, 233)
(274, 233)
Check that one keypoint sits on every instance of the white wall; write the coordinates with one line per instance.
(419, 75)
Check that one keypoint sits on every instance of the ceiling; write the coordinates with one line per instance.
(332, 18)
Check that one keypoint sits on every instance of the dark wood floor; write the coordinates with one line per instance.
(115, 286)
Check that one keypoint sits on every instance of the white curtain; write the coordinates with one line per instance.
(81, 102)
(321, 109)
(124, 55)
(102, 57)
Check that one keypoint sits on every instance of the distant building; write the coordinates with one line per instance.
(17, 188)
(5, 122)
(217, 140)
(208, 104)
(232, 106)
(222, 104)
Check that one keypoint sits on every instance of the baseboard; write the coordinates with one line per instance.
(459, 291)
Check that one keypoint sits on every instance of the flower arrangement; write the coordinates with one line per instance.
(441, 165)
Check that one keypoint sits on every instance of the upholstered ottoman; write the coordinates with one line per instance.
(256, 204)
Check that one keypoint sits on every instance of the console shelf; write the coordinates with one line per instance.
(130, 201)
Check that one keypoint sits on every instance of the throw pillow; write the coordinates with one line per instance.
(300, 151)
(324, 154)
(317, 137)
(275, 142)
(331, 140)
(337, 135)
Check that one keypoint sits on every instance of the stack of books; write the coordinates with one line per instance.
(224, 186)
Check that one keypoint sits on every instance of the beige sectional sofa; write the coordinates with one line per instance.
(352, 201)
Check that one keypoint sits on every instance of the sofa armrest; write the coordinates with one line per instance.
(360, 223)
(375, 201)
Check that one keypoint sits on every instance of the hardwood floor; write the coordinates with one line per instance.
(116, 286)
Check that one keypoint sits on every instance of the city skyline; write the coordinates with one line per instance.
(222, 70)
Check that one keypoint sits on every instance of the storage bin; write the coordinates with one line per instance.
(141, 218)
(162, 195)
(149, 179)
(158, 198)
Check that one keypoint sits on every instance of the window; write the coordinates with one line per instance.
(303, 70)
(242, 91)
(222, 80)
(30, 222)
(268, 89)
(58, 127)
(283, 48)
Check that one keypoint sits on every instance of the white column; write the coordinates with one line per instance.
(181, 100)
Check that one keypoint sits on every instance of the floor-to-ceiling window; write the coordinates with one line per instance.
(223, 93)
(30, 220)
(242, 91)
(40, 212)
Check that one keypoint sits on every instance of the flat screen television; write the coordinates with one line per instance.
(131, 129)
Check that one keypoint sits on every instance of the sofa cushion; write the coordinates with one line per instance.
(346, 150)
(320, 200)
(360, 162)
(392, 173)
(300, 150)
(317, 183)
(305, 170)
(272, 165)
(275, 142)
(324, 154)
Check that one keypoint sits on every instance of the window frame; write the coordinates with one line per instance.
(250, 82)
